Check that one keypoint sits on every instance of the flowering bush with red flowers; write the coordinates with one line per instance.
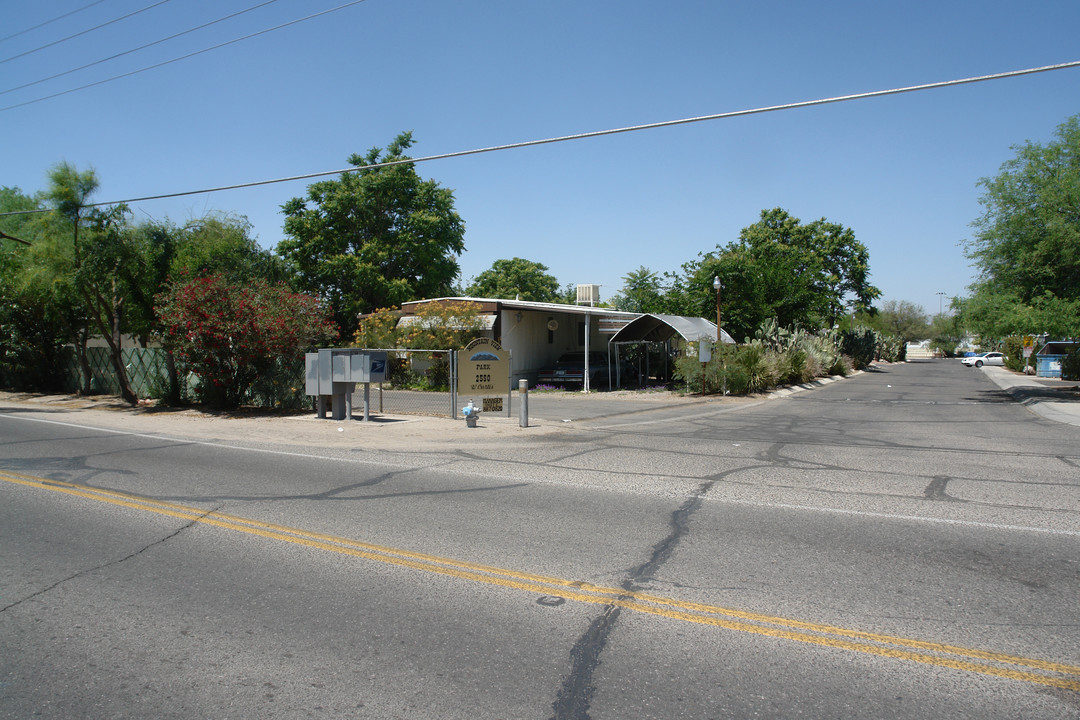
(230, 335)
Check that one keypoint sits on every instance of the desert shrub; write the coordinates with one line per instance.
(860, 345)
(890, 348)
(1013, 349)
(775, 356)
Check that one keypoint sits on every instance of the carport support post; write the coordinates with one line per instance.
(523, 403)
(588, 331)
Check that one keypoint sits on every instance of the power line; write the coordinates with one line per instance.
(597, 133)
(84, 32)
(58, 17)
(182, 57)
(141, 47)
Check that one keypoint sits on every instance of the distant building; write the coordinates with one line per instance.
(537, 333)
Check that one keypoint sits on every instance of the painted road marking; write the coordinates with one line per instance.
(1031, 670)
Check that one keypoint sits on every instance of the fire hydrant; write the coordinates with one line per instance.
(471, 413)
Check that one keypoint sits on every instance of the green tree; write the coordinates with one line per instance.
(373, 238)
(68, 194)
(797, 274)
(642, 292)
(829, 266)
(903, 319)
(109, 264)
(946, 331)
(32, 331)
(161, 251)
(1026, 245)
(514, 278)
(99, 260)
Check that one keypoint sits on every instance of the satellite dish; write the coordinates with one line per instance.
(553, 325)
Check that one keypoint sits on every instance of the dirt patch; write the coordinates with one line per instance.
(292, 429)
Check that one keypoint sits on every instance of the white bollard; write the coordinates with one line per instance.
(523, 403)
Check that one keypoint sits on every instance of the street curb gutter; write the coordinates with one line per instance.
(791, 390)
(1032, 396)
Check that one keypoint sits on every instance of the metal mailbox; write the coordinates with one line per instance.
(333, 373)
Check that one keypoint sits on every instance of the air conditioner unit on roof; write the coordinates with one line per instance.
(588, 294)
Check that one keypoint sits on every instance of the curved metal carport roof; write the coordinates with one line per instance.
(658, 328)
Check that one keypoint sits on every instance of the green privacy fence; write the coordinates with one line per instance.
(413, 388)
(145, 371)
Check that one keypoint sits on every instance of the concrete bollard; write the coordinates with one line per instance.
(523, 403)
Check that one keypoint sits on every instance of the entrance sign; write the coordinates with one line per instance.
(484, 368)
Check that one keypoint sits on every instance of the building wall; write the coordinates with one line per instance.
(525, 333)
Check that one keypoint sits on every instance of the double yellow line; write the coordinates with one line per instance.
(1031, 670)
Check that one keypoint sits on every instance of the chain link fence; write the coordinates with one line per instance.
(419, 382)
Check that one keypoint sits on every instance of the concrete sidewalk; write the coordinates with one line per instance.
(1053, 399)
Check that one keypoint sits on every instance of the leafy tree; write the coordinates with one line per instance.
(1027, 242)
(435, 326)
(221, 244)
(946, 332)
(995, 316)
(68, 194)
(86, 253)
(568, 295)
(229, 335)
(513, 278)
(829, 266)
(32, 334)
(103, 281)
(373, 238)
(215, 244)
(798, 274)
(901, 318)
(642, 292)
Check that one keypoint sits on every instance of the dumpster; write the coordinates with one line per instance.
(1048, 359)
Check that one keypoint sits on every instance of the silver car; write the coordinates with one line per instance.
(990, 358)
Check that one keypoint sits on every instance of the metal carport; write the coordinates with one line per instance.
(655, 328)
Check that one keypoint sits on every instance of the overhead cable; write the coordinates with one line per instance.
(43, 24)
(141, 47)
(597, 133)
(182, 57)
(84, 32)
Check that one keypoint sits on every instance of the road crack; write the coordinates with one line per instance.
(574, 697)
(111, 563)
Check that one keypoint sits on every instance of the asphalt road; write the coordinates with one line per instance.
(902, 544)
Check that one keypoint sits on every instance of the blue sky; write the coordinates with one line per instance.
(901, 171)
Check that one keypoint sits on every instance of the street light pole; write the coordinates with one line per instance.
(941, 296)
(719, 343)
(716, 284)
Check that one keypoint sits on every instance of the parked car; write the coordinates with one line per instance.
(990, 358)
(569, 369)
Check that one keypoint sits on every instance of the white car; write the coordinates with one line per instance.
(990, 358)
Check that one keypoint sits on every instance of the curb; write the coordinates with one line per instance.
(792, 389)
(1031, 395)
